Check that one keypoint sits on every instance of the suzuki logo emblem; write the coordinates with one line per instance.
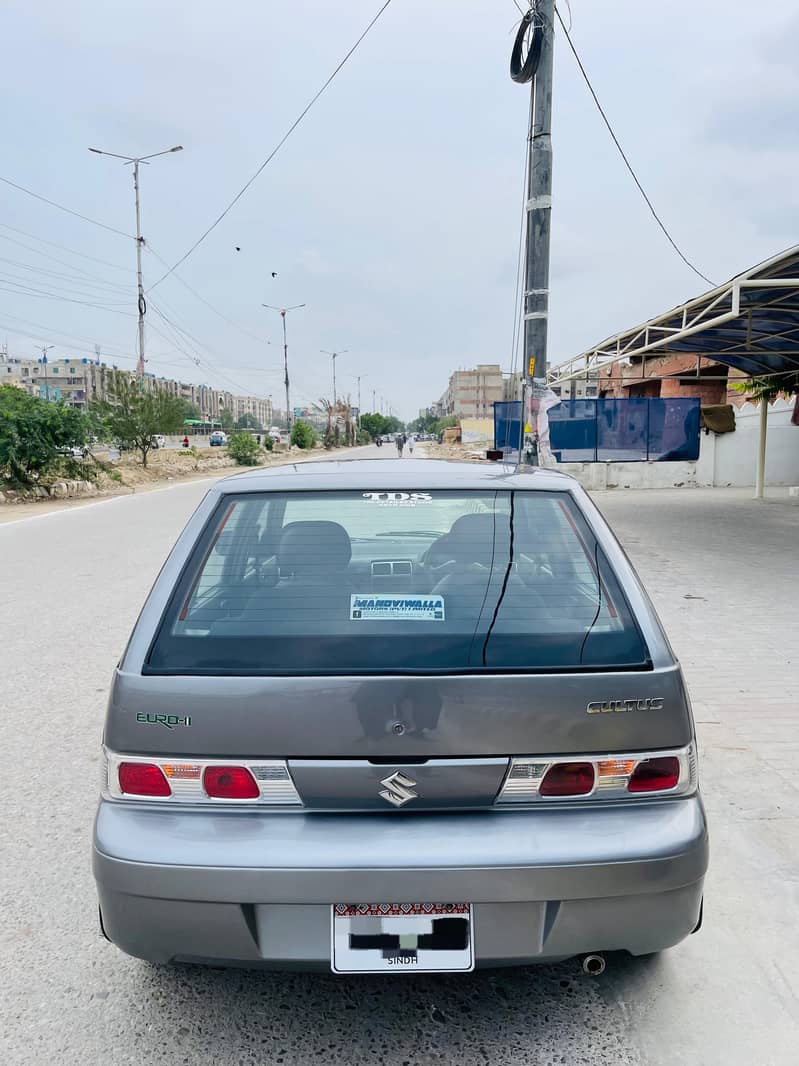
(398, 788)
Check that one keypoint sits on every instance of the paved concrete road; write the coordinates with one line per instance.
(723, 573)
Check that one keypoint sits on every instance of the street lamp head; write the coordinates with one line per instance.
(177, 148)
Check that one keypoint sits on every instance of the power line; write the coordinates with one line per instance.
(106, 288)
(55, 334)
(202, 299)
(55, 290)
(275, 150)
(627, 162)
(63, 247)
(68, 210)
(41, 294)
(179, 331)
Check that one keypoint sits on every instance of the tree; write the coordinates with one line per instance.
(132, 417)
(377, 425)
(769, 389)
(227, 420)
(248, 421)
(326, 408)
(35, 435)
(303, 434)
(244, 448)
(191, 410)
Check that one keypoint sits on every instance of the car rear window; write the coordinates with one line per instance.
(384, 582)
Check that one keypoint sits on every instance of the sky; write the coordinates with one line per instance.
(393, 210)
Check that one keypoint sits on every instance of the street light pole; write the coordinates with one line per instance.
(45, 348)
(283, 311)
(140, 302)
(359, 399)
(334, 356)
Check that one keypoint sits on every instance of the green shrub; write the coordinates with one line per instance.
(303, 435)
(38, 438)
(243, 447)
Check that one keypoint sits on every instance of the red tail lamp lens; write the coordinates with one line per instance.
(568, 779)
(230, 782)
(655, 775)
(143, 779)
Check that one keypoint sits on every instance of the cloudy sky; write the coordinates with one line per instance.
(393, 211)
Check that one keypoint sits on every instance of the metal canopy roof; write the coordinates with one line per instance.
(751, 323)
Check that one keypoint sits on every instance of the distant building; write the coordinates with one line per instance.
(78, 381)
(472, 393)
(73, 381)
(583, 388)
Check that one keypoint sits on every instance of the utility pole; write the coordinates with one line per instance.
(531, 61)
(359, 399)
(141, 303)
(283, 311)
(374, 401)
(334, 356)
(45, 348)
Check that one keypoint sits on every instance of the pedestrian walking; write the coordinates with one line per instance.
(410, 444)
(400, 445)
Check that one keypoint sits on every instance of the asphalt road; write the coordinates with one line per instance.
(71, 584)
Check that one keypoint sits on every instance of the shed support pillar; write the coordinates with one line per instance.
(760, 476)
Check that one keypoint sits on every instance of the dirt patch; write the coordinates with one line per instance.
(169, 464)
(464, 452)
(125, 476)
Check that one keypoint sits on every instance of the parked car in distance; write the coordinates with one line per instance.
(217, 439)
(275, 434)
(392, 717)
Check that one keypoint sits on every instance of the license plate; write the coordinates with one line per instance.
(394, 937)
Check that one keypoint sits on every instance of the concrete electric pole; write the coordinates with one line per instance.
(141, 302)
(531, 61)
(283, 311)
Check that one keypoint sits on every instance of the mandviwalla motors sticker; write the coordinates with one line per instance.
(397, 608)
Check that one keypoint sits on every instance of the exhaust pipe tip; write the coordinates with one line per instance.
(594, 965)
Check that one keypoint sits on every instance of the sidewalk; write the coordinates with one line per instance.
(722, 570)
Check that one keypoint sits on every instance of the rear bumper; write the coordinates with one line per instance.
(256, 889)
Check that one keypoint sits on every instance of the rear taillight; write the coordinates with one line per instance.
(568, 779)
(230, 783)
(205, 781)
(544, 779)
(142, 779)
(655, 775)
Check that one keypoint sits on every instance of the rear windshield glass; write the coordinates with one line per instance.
(381, 582)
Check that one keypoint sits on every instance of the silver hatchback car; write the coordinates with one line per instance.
(414, 716)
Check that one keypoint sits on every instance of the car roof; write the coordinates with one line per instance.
(382, 474)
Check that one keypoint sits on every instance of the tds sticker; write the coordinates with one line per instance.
(397, 608)
(397, 499)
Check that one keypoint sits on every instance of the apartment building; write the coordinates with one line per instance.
(260, 409)
(74, 381)
(473, 393)
(78, 381)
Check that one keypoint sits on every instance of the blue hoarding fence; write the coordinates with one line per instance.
(630, 430)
